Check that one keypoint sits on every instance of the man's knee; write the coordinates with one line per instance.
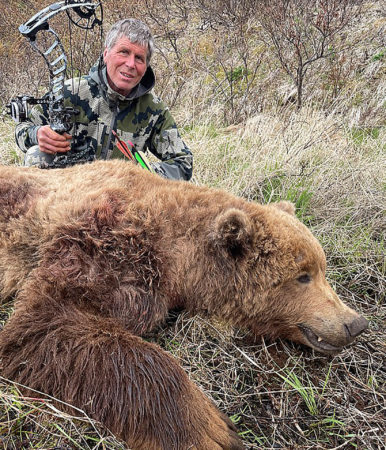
(34, 157)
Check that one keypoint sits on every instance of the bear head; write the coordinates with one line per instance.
(269, 274)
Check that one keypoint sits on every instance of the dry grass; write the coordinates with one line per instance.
(35, 422)
(329, 159)
(248, 381)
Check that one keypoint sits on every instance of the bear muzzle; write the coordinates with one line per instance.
(332, 340)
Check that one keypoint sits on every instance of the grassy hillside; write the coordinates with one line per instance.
(235, 108)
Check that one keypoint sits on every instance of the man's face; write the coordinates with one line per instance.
(126, 65)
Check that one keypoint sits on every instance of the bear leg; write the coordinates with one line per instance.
(131, 386)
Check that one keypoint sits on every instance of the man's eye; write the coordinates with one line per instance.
(304, 278)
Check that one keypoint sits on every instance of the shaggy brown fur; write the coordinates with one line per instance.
(96, 255)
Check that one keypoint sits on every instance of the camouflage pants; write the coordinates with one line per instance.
(34, 157)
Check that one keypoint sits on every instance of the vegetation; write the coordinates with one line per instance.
(217, 69)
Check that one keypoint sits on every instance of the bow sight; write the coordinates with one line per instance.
(83, 14)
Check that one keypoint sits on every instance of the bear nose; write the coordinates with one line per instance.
(356, 326)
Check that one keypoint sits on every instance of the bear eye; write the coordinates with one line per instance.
(304, 278)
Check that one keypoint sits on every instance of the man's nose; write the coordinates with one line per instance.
(130, 60)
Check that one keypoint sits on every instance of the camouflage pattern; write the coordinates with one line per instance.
(141, 118)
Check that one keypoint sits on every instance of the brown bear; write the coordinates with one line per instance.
(96, 255)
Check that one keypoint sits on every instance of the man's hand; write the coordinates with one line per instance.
(51, 142)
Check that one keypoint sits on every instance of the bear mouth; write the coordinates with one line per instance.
(317, 342)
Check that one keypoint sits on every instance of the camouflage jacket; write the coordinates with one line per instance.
(141, 118)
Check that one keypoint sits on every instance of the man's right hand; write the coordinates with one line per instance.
(51, 142)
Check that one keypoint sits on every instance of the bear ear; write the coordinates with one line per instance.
(285, 206)
(233, 231)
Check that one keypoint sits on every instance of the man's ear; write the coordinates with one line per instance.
(285, 206)
(104, 54)
(233, 232)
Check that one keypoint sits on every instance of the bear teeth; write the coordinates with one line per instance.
(318, 342)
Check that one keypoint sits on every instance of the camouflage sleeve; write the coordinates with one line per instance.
(26, 132)
(167, 144)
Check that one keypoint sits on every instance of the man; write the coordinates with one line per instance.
(115, 96)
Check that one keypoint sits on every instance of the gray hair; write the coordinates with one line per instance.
(134, 30)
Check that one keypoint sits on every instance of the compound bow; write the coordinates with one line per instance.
(84, 14)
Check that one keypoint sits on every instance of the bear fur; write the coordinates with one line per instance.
(95, 257)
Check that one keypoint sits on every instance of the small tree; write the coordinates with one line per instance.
(304, 31)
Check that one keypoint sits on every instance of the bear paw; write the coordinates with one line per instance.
(220, 433)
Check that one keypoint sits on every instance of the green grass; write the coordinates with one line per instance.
(359, 135)
(307, 392)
